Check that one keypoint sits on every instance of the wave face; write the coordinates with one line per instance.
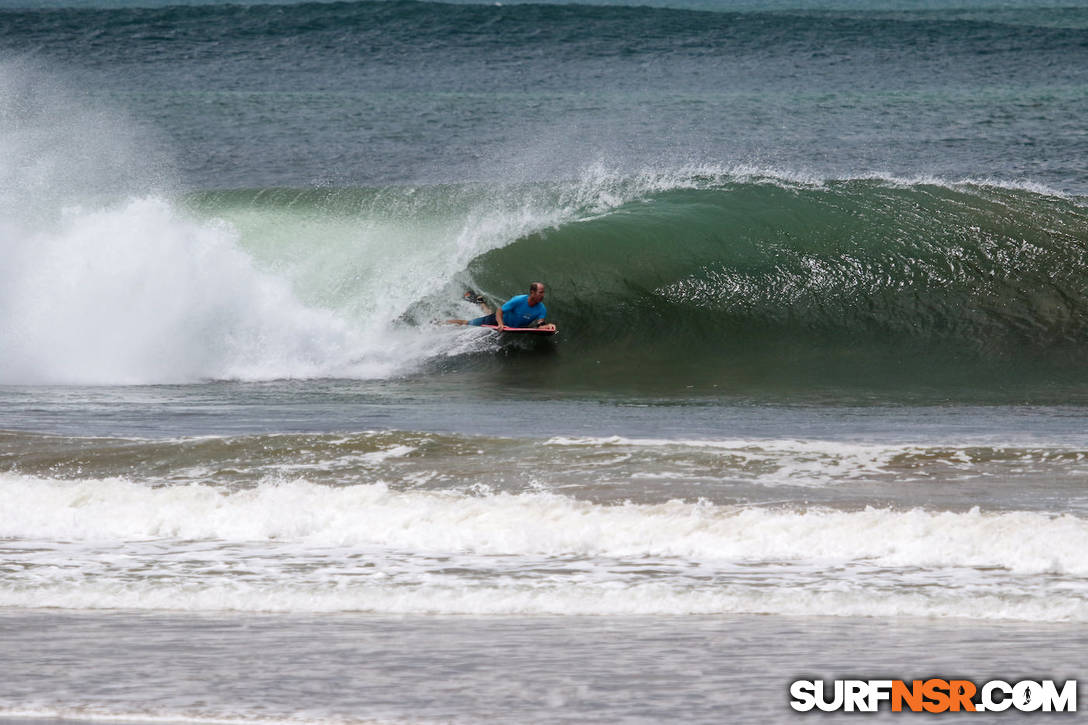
(744, 275)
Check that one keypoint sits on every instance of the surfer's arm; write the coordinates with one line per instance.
(498, 317)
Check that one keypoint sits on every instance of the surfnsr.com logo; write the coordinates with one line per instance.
(933, 695)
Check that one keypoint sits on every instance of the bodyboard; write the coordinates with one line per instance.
(522, 330)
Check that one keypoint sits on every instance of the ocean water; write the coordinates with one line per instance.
(818, 404)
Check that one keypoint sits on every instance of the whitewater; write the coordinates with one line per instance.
(297, 547)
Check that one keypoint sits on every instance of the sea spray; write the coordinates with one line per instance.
(105, 280)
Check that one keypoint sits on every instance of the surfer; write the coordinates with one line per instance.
(520, 311)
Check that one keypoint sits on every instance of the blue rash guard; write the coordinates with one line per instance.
(515, 313)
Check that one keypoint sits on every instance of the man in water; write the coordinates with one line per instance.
(521, 311)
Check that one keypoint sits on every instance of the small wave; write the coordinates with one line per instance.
(537, 524)
(707, 468)
(302, 547)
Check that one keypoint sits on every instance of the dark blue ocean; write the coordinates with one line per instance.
(816, 407)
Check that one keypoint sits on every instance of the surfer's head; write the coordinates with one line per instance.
(536, 293)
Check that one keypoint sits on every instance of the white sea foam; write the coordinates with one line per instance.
(506, 598)
(137, 290)
(137, 293)
(537, 524)
(815, 462)
(106, 281)
(297, 546)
